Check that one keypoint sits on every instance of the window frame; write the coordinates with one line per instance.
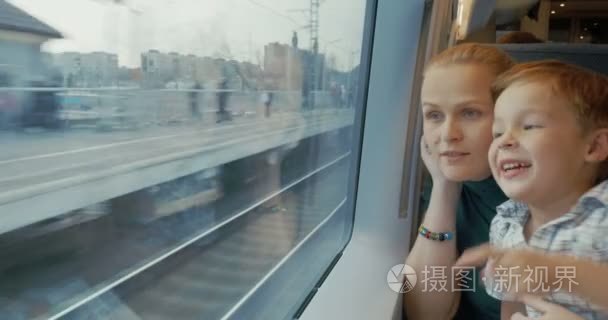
(357, 288)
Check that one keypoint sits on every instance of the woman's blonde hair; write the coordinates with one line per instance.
(473, 53)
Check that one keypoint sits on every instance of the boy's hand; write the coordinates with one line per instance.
(527, 271)
(550, 311)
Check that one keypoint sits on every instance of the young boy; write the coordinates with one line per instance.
(548, 156)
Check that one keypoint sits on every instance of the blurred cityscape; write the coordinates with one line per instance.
(284, 68)
(116, 166)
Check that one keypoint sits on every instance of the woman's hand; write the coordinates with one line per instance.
(510, 258)
(550, 311)
(430, 158)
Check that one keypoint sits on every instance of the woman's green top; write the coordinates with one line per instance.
(476, 209)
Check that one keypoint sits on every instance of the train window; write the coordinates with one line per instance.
(172, 159)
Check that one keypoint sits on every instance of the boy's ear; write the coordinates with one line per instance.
(598, 146)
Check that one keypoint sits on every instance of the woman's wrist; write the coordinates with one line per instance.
(441, 212)
(447, 191)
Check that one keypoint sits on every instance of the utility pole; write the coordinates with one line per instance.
(314, 25)
(314, 49)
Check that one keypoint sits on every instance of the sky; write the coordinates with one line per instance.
(236, 29)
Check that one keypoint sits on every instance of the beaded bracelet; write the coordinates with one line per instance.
(439, 236)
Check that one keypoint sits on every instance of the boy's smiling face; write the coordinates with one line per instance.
(539, 147)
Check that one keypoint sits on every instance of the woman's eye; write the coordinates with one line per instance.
(433, 115)
(497, 135)
(471, 114)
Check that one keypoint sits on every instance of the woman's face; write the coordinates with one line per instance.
(457, 108)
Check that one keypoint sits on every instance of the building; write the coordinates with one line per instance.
(182, 71)
(289, 68)
(156, 67)
(161, 69)
(100, 68)
(95, 69)
(283, 68)
(21, 38)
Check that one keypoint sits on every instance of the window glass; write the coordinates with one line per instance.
(165, 159)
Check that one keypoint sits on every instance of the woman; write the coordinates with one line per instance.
(457, 105)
